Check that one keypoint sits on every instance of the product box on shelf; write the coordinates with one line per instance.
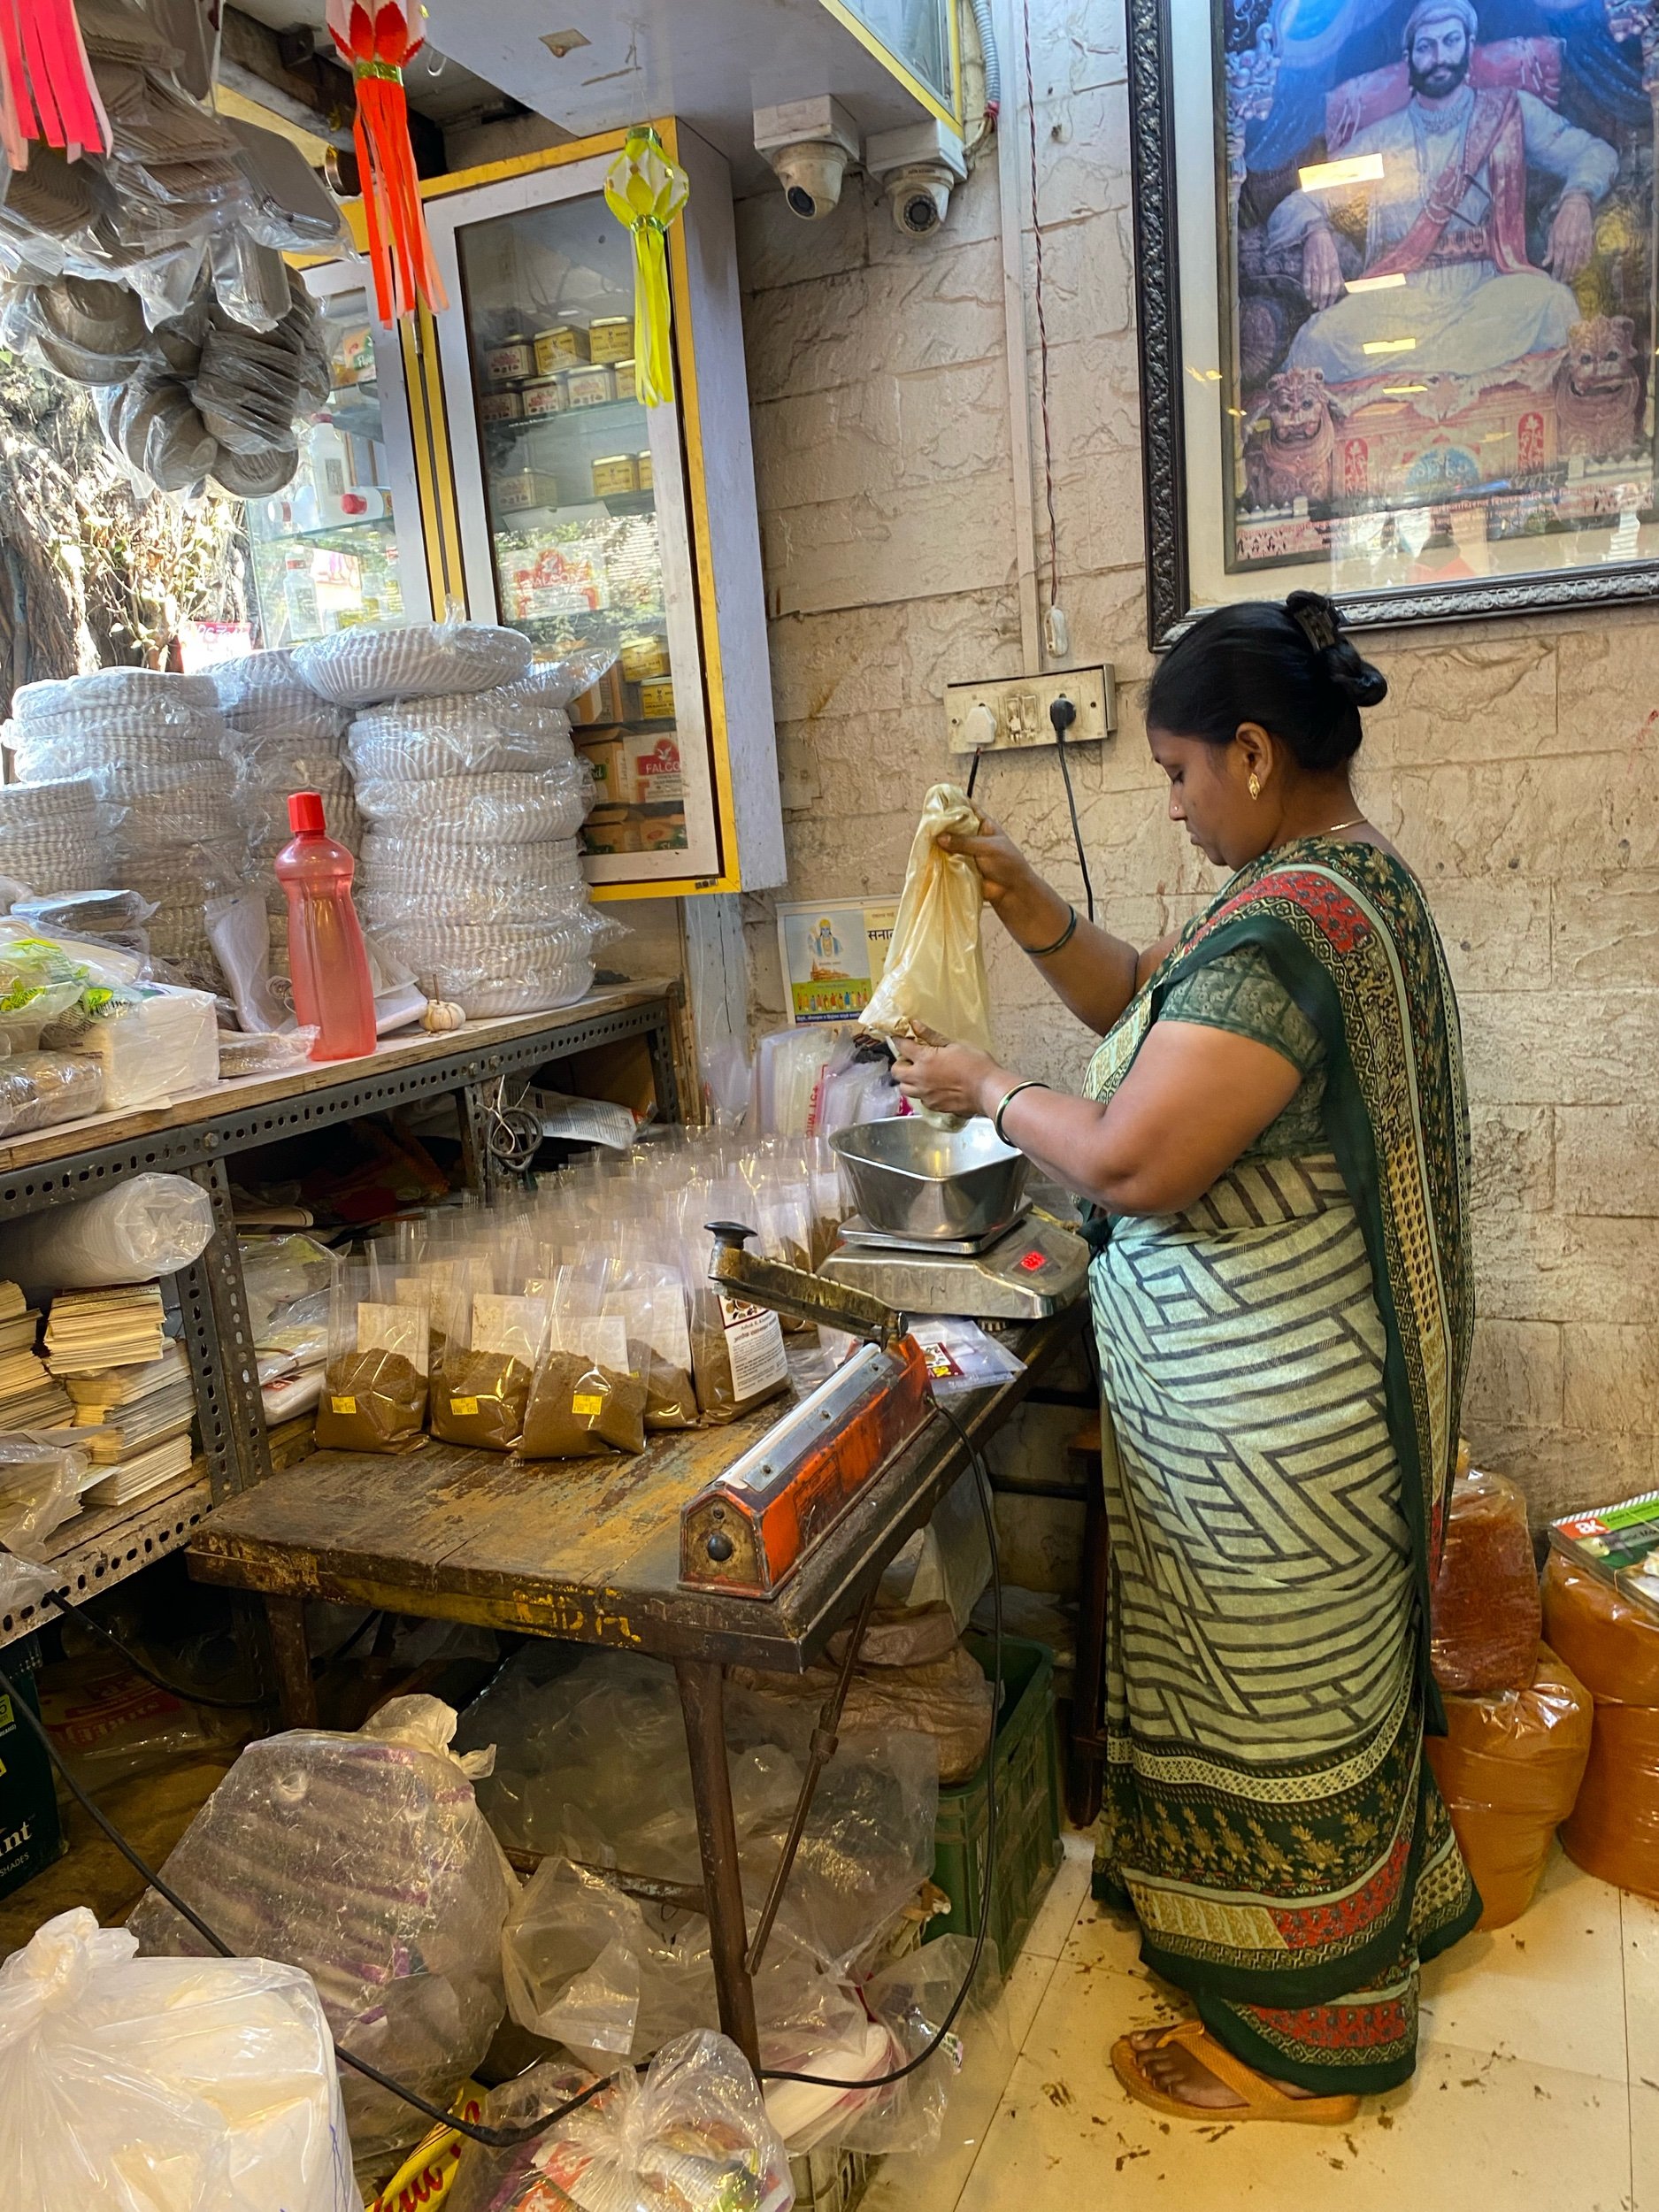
(611, 831)
(610, 338)
(607, 758)
(663, 833)
(652, 775)
(525, 491)
(602, 704)
(31, 1836)
(563, 347)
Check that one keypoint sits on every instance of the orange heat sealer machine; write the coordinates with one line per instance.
(747, 1531)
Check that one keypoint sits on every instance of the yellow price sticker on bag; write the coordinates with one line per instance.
(344, 1405)
(462, 1406)
(585, 1406)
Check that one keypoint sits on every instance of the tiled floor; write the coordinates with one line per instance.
(1538, 2086)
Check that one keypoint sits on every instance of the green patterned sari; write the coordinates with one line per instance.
(1283, 1366)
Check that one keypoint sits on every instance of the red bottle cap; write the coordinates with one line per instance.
(305, 810)
(354, 503)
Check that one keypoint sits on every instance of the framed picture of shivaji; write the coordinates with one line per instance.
(1396, 273)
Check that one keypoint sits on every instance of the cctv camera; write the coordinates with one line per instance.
(811, 144)
(919, 196)
(810, 173)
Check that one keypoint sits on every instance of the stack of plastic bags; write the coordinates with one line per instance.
(152, 745)
(279, 738)
(206, 2085)
(1612, 1644)
(363, 1859)
(50, 835)
(474, 795)
(1517, 1720)
(155, 274)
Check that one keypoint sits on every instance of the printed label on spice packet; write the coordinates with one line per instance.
(515, 1327)
(344, 1405)
(463, 1408)
(400, 1329)
(601, 1338)
(754, 1344)
(587, 1406)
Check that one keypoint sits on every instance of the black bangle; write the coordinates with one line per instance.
(1045, 952)
(1007, 1099)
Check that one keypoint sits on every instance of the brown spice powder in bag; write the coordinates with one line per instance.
(478, 1399)
(578, 1410)
(670, 1396)
(371, 1401)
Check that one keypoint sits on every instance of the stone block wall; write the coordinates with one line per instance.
(1514, 764)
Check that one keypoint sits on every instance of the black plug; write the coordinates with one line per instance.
(1062, 713)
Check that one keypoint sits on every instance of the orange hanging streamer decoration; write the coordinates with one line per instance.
(377, 40)
(46, 83)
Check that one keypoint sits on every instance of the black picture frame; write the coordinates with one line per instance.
(1170, 606)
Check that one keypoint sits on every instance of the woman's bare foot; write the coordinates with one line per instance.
(1175, 2070)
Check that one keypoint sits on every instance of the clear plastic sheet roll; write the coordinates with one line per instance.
(417, 660)
(488, 733)
(495, 811)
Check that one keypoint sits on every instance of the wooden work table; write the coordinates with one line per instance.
(589, 1552)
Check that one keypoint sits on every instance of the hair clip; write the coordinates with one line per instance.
(1316, 617)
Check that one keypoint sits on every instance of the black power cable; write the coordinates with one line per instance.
(512, 2139)
(1062, 713)
(89, 1622)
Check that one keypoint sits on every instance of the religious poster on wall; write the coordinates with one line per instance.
(1408, 354)
(833, 954)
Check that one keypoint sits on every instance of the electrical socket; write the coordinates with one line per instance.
(1019, 709)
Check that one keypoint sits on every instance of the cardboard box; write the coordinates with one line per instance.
(525, 491)
(31, 1836)
(610, 832)
(561, 348)
(608, 760)
(656, 700)
(653, 774)
(662, 832)
(601, 705)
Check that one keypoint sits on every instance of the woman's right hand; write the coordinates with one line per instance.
(1013, 889)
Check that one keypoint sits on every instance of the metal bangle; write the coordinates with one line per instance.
(1045, 952)
(1007, 1099)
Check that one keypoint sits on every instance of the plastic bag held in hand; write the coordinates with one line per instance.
(132, 2085)
(934, 976)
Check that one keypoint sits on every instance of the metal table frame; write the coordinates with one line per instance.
(450, 1536)
(196, 1137)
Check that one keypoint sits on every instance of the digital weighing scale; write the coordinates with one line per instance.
(1019, 1270)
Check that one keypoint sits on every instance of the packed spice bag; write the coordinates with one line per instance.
(1509, 1767)
(588, 1394)
(1485, 1615)
(365, 1860)
(1613, 1646)
(374, 1386)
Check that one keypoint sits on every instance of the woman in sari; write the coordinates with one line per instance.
(1274, 1135)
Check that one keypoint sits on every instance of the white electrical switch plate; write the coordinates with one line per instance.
(1017, 708)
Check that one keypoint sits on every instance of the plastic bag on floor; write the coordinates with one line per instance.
(487, 2180)
(364, 1859)
(947, 1699)
(1509, 1767)
(1486, 1615)
(935, 975)
(1613, 1832)
(132, 2085)
(560, 1787)
(690, 2135)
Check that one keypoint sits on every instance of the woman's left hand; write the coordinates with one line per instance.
(949, 1078)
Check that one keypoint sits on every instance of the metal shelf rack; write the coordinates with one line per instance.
(195, 1136)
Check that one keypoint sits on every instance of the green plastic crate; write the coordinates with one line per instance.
(1027, 1808)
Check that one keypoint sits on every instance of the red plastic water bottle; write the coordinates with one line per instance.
(332, 991)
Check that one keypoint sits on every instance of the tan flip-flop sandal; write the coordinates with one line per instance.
(1264, 2099)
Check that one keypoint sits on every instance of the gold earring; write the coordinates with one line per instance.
(1256, 785)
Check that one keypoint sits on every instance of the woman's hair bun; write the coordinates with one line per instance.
(1319, 622)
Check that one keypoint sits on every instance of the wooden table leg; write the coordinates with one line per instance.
(703, 1702)
(1085, 1762)
(290, 1653)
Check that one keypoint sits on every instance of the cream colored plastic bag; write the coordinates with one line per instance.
(934, 977)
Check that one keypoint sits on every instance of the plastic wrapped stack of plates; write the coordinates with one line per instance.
(152, 745)
(279, 738)
(473, 795)
(50, 835)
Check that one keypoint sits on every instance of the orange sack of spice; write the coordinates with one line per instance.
(1509, 1767)
(1614, 1648)
(1484, 1616)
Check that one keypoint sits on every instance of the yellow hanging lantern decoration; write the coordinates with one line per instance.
(644, 190)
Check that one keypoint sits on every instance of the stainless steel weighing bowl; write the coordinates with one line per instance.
(932, 1185)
